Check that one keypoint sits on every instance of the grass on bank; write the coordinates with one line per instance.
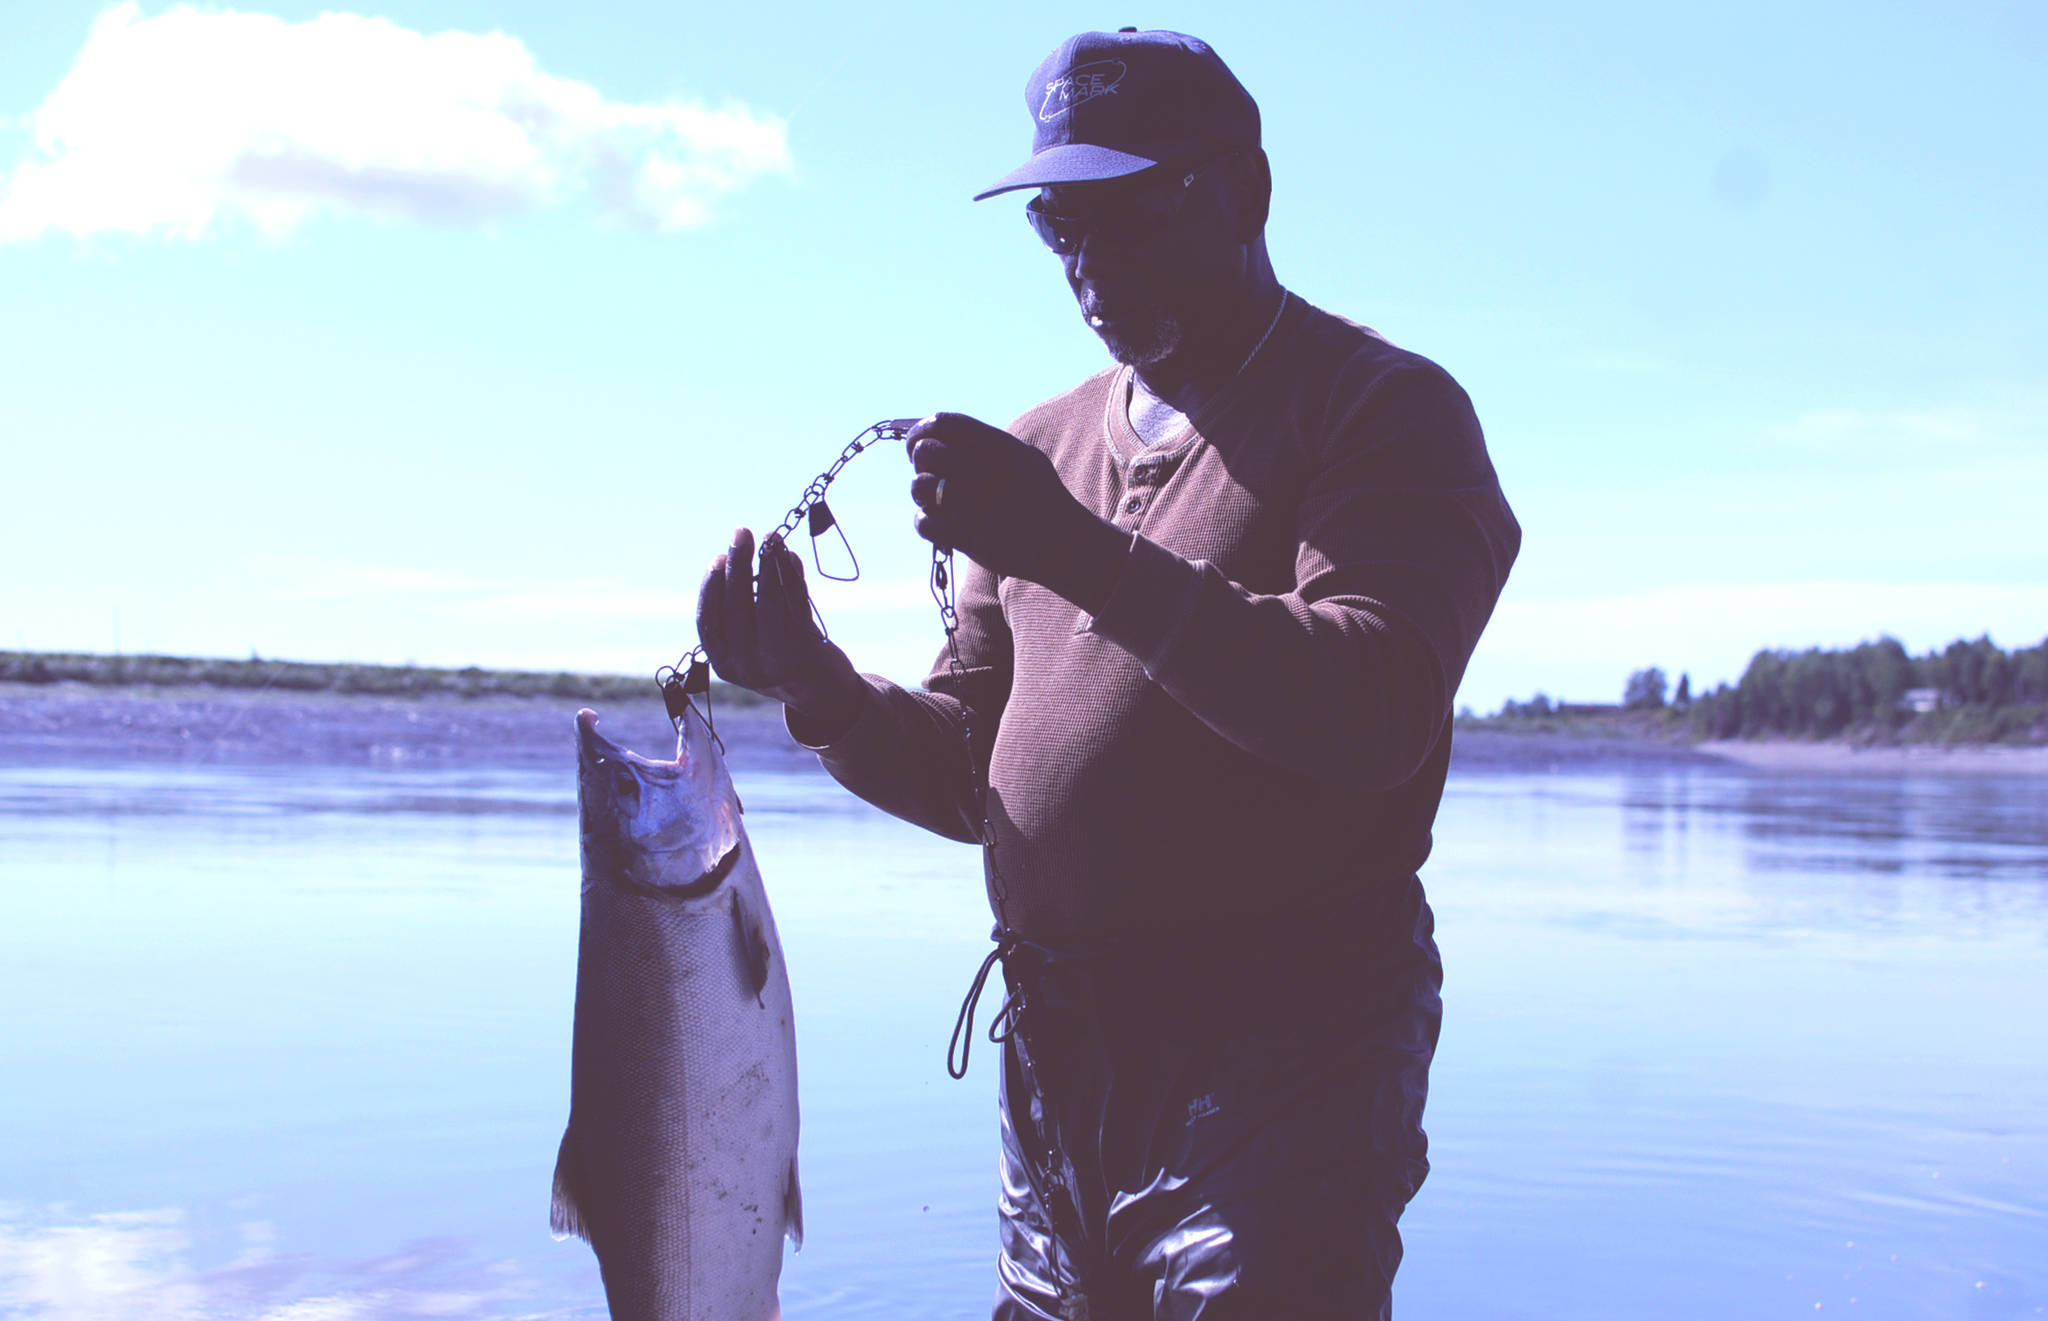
(336, 677)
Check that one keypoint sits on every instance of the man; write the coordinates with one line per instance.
(1220, 598)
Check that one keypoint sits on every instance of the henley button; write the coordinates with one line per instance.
(1132, 505)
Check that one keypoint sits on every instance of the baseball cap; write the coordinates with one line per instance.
(1107, 104)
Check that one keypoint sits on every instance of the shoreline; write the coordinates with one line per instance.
(1789, 755)
(78, 723)
(73, 723)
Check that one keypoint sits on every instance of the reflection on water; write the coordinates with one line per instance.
(153, 790)
(123, 1266)
(1716, 1045)
(1734, 1045)
(1956, 826)
(1961, 827)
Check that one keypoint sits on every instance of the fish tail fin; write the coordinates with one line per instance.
(793, 1208)
(565, 1212)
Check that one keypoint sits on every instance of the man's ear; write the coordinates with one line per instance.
(1252, 191)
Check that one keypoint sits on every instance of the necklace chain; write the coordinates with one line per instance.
(1273, 326)
(1136, 384)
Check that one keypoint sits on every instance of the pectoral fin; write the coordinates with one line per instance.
(750, 944)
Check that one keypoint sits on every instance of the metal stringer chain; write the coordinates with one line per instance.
(944, 593)
(690, 676)
(961, 1046)
(1042, 1178)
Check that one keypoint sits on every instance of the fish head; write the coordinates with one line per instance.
(667, 826)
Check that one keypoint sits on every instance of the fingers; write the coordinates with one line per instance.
(950, 443)
(711, 618)
(936, 520)
(928, 455)
(920, 429)
(785, 601)
(934, 530)
(739, 599)
(950, 454)
(928, 441)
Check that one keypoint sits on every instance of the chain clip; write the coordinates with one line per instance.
(690, 676)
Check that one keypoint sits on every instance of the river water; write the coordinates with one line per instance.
(292, 1044)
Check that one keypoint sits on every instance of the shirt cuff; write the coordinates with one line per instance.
(1149, 608)
(818, 735)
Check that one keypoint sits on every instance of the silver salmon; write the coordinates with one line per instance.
(679, 1163)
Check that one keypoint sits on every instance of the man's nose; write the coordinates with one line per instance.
(1094, 257)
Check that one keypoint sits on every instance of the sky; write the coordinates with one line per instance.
(455, 333)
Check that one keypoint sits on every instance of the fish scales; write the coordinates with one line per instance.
(679, 1161)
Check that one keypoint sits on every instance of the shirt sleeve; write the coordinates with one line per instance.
(1404, 544)
(923, 755)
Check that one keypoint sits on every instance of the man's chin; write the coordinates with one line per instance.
(1138, 345)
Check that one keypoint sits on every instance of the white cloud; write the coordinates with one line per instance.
(193, 120)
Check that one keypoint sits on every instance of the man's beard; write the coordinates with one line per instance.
(1141, 342)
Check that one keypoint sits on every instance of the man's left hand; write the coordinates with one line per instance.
(989, 495)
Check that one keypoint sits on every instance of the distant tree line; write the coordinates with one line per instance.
(316, 677)
(1967, 691)
(1539, 705)
(1877, 686)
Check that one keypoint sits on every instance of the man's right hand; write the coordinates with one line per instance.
(769, 644)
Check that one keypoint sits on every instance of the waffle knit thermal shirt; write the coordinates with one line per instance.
(1261, 712)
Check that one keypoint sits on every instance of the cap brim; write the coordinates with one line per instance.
(1073, 162)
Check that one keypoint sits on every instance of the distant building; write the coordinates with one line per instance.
(1920, 700)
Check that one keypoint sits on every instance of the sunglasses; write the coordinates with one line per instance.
(1130, 222)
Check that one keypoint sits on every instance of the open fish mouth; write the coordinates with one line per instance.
(593, 746)
(671, 827)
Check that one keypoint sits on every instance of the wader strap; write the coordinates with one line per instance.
(1006, 1017)
(963, 1037)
